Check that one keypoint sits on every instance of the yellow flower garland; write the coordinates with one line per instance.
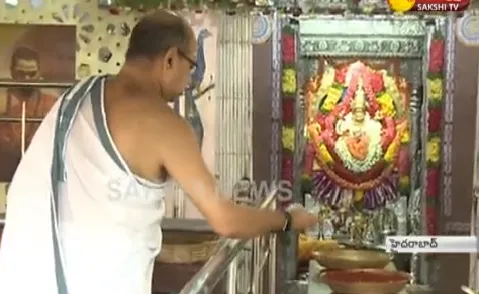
(313, 131)
(326, 82)
(391, 87)
(393, 149)
(289, 81)
(386, 103)
(405, 138)
(334, 94)
(324, 154)
(434, 89)
(433, 150)
(288, 138)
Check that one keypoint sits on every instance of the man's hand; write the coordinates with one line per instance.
(302, 219)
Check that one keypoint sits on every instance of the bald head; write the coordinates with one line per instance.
(155, 33)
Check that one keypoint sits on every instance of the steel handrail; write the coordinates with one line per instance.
(258, 271)
(212, 272)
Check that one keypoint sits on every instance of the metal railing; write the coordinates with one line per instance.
(226, 260)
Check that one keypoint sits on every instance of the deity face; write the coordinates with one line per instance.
(359, 114)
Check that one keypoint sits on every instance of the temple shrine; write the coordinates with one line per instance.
(361, 113)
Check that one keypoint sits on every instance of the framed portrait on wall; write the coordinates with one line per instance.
(40, 53)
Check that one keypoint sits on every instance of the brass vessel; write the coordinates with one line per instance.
(345, 259)
(390, 287)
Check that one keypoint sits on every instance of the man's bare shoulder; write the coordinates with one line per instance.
(159, 120)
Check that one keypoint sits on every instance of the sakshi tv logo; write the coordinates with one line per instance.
(428, 5)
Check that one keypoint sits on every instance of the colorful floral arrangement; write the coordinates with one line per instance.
(369, 169)
(434, 88)
(289, 91)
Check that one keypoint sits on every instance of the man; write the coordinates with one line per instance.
(85, 217)
(24, 66)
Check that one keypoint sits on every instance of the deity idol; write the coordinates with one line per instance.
(359, 136)
(354, 138)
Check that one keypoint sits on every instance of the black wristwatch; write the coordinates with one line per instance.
(287, 222)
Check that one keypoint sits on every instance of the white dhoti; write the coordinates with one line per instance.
(78, 220)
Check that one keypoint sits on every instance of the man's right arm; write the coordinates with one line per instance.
(181, 156)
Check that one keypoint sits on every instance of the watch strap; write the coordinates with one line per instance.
(287, 222)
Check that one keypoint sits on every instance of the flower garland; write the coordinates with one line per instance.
(391, 88)
(336, 93)
(288, 138)
(386, 105)
(374, 153)
(326, 84)
(289, 91)
(333, 97)
(434, 88)
(387, 98)
(387, 153)
(387, 102)
(404, 163)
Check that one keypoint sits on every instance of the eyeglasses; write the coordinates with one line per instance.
(193, 63)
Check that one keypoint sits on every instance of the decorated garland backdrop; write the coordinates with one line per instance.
(434, 88)
(371, 179)
(289, 91)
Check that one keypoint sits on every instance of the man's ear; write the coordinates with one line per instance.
(170, 56)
